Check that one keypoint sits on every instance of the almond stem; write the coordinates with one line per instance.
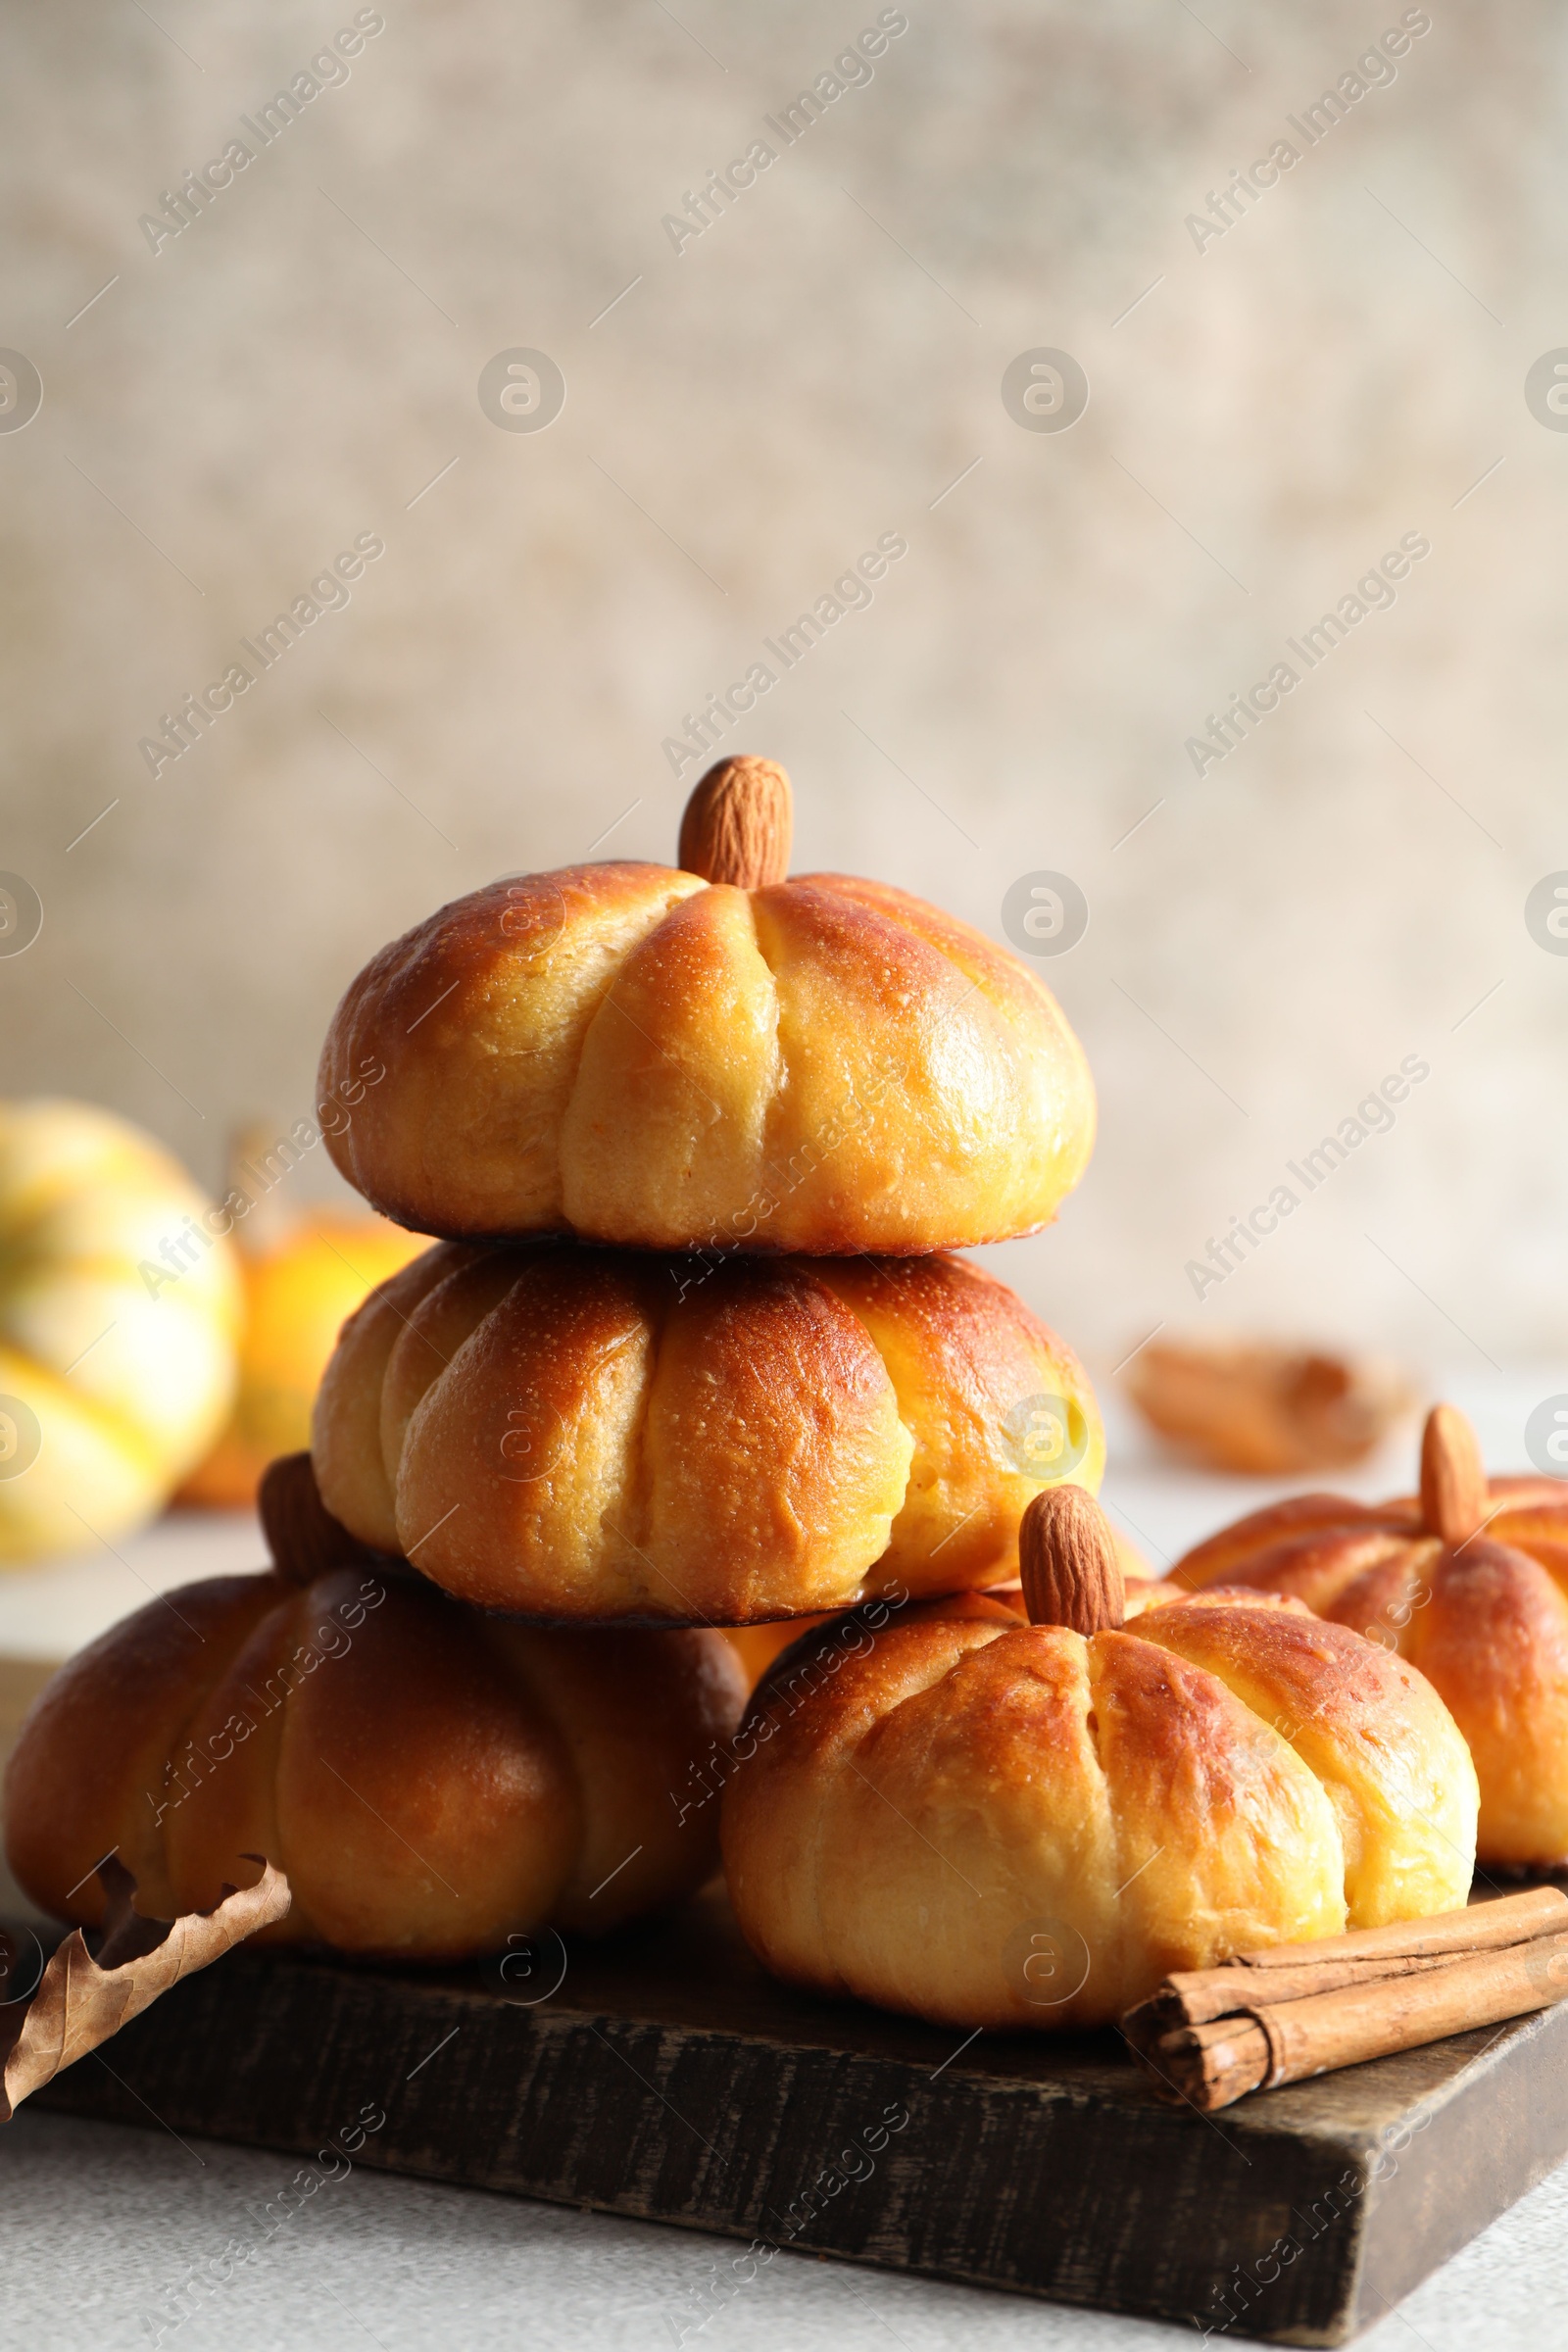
(302, 1535)
(1454, 1482)
(738, 824)
(1067, 1563)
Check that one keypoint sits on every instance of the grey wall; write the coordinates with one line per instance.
(813, 371)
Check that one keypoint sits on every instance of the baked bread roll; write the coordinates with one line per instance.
(987, 1821)
(1469, 1582)
(677, 1058)
(606, 1435)
(431, 1780)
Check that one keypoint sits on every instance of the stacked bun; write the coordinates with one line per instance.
(709, 1056)
(775, 1106)
(689, 1357)
(689, 1354)
(614, 1436)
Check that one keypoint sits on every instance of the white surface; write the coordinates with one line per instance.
(99, 2225)
(48, 1612)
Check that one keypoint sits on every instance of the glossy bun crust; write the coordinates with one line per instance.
(986, 1823)
(631, 1055)
(594, 1435)
(431, 1781)
(1486, 1622)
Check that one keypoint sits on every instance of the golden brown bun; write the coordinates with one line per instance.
(629, 1053)
(592, 1434)
(952, 1812)
(431, 1781)
(1485, 1621)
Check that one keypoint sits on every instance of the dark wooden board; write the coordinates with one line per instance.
(665, 2076)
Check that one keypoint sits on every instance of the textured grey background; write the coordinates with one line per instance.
(813, 371)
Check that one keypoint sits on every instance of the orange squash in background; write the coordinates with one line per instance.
(305, 1270)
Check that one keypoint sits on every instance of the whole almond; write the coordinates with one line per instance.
(1454, 1482)
(738, 824)
(302, 1535)
(1067, 1563)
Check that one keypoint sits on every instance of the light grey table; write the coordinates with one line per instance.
(101, 2227)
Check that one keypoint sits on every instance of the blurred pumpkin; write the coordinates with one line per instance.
(120, 1307)
(303, 1271)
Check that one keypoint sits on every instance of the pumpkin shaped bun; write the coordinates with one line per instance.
(1469, 1582)
(609, 1434)
(669, 1058)
(431, 1780)
(988, 1820)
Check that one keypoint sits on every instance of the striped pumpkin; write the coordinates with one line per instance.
(120, 1307)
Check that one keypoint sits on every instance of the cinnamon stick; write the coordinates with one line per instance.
(1481, 1926)
(1197, 1996)
(1210, 2035)
(1212, 2065)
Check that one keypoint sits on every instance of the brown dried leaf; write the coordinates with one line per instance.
(1256, 1407)
(81, 2001)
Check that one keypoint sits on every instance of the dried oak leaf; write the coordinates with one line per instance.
(1256, 1407)
(81, 2001)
